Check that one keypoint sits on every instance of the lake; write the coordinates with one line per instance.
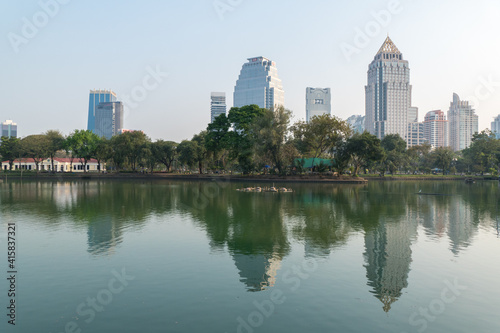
(173, 256)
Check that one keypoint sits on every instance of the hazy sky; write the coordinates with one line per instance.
(52, 57)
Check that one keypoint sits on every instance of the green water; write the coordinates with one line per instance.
(102, 256)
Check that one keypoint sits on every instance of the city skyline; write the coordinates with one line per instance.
(160, 76)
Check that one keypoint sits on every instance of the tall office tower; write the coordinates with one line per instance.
(9, 129)
(318, 102)
(217, 105)
(495, 127)
(436, 129)
(96, 97)
(357, 123)
(108, 119)
(416, 135)
(388, 93)
(413, 114)
(463, 123)
(259, 84)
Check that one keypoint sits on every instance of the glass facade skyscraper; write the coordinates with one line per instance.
(108, 119)
(217, 105)
(388, 93)
(259, 84)
(96, 97)
(9, 129)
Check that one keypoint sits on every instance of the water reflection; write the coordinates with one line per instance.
(257, 229)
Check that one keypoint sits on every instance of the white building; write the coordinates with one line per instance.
(495, 127)
(318, 102)
(217, 105)
(357, 123)
(108, 119)
(463, 123)
(60, 165)
(436, 129)
(388, 93)
(258, 84)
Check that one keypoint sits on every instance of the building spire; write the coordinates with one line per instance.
(388, 47)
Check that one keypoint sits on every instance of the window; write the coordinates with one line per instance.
(319, 101)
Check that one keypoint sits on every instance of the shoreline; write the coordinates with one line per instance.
(237, 178)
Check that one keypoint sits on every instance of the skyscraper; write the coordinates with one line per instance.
(388, 93)
(318, 102)
(9, 129)
(495, 127)
(357, 123)
(259, 84)
(96, 97)
(463, 123)
(436, 129)
(108, 119)
(217, 105)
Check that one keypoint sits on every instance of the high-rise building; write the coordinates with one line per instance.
(217, 105)
(495, 127)
(436, 129)
(258, 84)
(463, 123)
(357, 123)
(9, 129)
(108, 119)
(318, 102)
(415, 136)
(388, 93)
(96, 97)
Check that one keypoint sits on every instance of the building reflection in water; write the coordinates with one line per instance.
(388, 258)
(257, 271)
(103, 236)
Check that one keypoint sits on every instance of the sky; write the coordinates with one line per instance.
(166, 57)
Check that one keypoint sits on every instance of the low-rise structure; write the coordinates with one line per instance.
(60, 165)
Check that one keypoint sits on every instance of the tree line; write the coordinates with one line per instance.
(251, 139)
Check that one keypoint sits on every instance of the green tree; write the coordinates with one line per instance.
(9, 150)
(187, 153)
(55, 143)
(442, 157)
(104, 151)
(395, 149)
(165, 152)
(35, 147)
(201, 153)
(483, 152)
(363, 148)
(239, 140)
(270, 133)
(321, 134)
(84, 146)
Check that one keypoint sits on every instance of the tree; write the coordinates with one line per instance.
(321, 134)
(395, 149)
(201, 151)
(442, 157)
(363, 148)
(239, 140)
(35, 147)
(55, 143)
(9, 149)
(103, 152)
(417, 156)
(270, 133)
(165, 152)
(484, 151)
(84, 146)
(187, 152)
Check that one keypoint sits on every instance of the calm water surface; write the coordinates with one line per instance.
(103, 256)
